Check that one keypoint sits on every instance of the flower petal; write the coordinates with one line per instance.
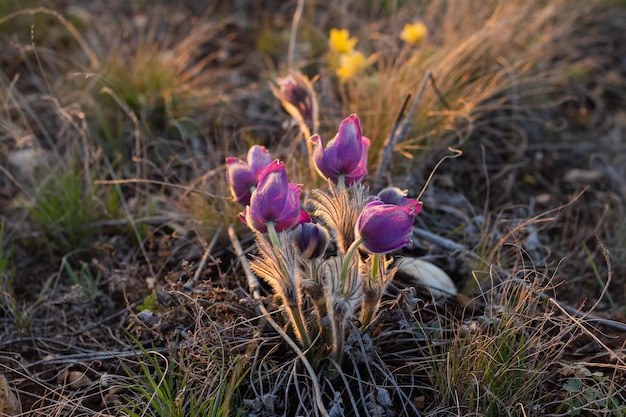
(384, 227)
(240, 179)
(258, 158)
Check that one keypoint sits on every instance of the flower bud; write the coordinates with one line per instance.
(298, 97)
(311, 239)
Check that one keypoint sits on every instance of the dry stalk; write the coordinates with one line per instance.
(255, 288)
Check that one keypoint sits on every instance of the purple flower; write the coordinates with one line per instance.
(243, 176)
(394, 195)
(275, 200)
(345, 155)
(384, 227)
(311, 239)
(298, 97)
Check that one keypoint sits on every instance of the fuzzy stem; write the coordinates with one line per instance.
(369, 307)
(295, 314)
(313, 270)
(294, 311)
(320, 300)
(373, 293)
(346, 262)
(340, 342)
(306, 134)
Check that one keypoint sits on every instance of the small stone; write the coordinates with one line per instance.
(432, 277)
(74, 379)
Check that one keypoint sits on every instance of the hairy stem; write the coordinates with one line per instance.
(346, 262)
(293, 303)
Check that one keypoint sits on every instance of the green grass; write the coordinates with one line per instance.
(6, 274)
(83, 277)
(168, 386)
(65, 206)
(163, 390)
(8, 303)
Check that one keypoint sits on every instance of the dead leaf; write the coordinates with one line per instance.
(420, 402)
(9, 405)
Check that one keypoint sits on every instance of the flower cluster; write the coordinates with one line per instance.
(323, 290)
(345, 60)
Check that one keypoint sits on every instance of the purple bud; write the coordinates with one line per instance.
(242, 177)
(345, 155)
(296, 93)
(275, 200)
(311, 240)
(394, 195)
(384, 227)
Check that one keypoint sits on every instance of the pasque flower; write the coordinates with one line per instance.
(344, 160)
(384, 227)
(297, 96)
(311, 239)
(275, 200)
(243, 176)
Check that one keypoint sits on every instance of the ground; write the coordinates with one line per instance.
(121, 292)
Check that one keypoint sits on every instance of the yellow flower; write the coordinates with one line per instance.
(413, 33)
(350, 64)
(340, 41)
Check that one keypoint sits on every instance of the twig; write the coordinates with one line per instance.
(91, 357)
(400, 129)
(582, 326)
(205, 256)
(125, 222)
(456, 247)
(294, 31)
(255, 288)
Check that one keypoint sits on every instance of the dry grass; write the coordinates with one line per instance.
(119, 291)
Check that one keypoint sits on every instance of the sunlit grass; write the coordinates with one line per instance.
(500, 361)
(497, 65)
